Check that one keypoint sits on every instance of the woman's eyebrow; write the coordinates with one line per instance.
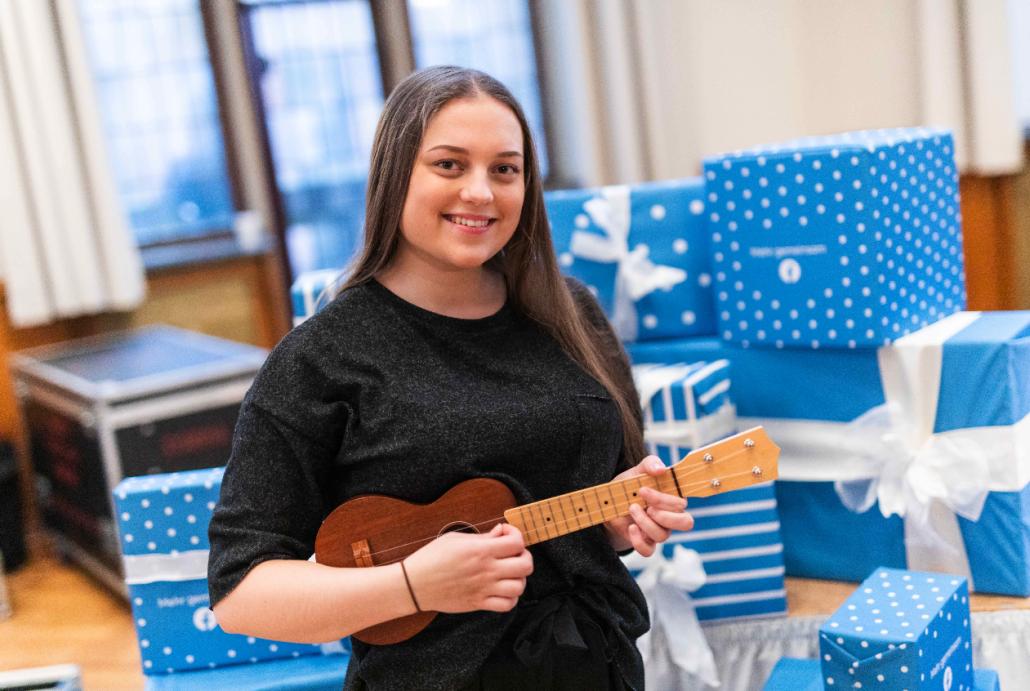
(460, 150)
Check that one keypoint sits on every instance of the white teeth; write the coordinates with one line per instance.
(469, 222)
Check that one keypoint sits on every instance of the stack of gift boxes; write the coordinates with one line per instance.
(825, 275)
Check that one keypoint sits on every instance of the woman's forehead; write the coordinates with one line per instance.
(480, 123)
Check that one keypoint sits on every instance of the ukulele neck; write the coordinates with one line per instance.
(739, 461)
(567, 513)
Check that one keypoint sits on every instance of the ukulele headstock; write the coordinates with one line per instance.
(744, 459)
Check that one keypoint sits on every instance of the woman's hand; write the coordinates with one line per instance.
(644, 529)
(459, 572)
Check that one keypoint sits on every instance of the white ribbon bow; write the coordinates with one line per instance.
(908, 481)
(892, 455)
(636, 275)
(676, 646)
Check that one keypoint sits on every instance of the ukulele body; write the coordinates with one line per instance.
(374, 530)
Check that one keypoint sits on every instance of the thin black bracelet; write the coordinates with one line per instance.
(411, 591)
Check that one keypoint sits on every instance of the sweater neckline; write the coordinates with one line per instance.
(498, 319)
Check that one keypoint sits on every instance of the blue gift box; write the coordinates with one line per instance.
(735, 534)
(793, 674)
(310, 292)
(684, 406)
(807, 398)
(308, 673)
(162, 525)
(900, 630)
(643, 251)
(839, 241)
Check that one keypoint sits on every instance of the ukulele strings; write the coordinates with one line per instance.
(681, 475)
(565, 522)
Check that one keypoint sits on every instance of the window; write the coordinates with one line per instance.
(321, 92)
(159, 109)
(495, 37)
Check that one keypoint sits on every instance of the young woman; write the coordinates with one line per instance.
(454, 350)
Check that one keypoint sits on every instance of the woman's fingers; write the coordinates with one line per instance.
(647, 525)
(662, 500)
(671, 520)
(641, 543)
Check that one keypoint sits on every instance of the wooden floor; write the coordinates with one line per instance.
(60, 615)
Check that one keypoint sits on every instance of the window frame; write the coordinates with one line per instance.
(395, 53)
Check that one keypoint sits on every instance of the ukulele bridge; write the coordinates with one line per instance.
(362, 553)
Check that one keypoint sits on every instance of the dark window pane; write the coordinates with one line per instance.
(160, 116)
(494, 36)
(322, 93)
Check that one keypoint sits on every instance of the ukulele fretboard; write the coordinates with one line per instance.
(574, 511)
(733, 463)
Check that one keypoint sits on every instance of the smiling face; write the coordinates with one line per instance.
(466, 188)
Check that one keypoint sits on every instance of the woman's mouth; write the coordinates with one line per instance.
(469, 223)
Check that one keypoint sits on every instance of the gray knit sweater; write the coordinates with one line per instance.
(374, 395)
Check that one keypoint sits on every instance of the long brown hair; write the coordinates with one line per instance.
(535, 285)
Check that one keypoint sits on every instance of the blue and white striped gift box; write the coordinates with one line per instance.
(685, 406)
(736, 534)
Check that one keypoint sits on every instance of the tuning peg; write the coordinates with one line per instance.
(749, 443)
(707, 458)
(756, 471)
(716, 483)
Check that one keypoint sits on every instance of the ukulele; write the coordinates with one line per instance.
(375, 530)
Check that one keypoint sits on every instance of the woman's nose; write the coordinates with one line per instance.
(476, 189)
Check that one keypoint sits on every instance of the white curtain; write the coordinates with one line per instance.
(65, 245)
(676, 80)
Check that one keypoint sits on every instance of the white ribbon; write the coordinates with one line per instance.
(636, 275)
(676, 644)
(150, 568)
(891, 455)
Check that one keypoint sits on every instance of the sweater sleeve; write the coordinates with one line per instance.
(616, 359)
(273, 497)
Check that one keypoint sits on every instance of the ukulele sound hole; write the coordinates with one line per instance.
(458, 527)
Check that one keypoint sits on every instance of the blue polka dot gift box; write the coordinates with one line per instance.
(162, 530)
(305, 673)
(794, 674)
(900, 630)
(842, 241)
(643, 251)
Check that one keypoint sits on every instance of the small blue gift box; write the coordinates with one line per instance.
(684, 405)
(643, 251)
(900, 630)
(959, 400)
(307, 673)
(736, 534)
(310, 292)
(793, 674)
(838, 241)
(162, 525)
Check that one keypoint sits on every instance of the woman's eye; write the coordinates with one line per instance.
(507, 169)
(447, 164)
